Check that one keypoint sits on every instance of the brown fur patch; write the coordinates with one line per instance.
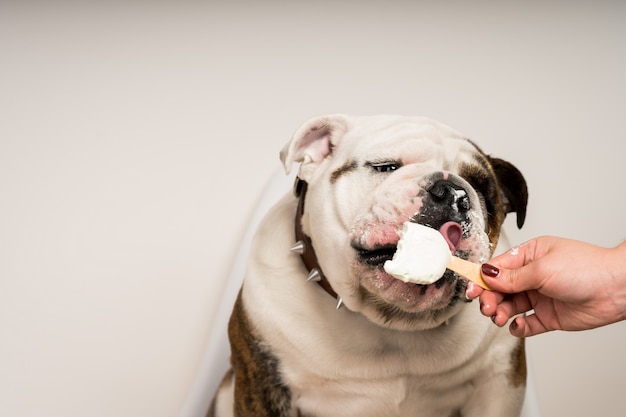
(518, 373)
(483, 180)
(259, 389)
(502, 187)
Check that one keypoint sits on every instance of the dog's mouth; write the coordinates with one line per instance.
(376, 257)
(393, 297)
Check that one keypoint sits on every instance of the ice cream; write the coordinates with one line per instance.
(421, 257)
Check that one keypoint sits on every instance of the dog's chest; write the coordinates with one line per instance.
(385, 381)
(396, 396)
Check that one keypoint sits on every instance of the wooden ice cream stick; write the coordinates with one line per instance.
(468, 269)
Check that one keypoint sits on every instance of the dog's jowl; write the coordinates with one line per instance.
(319, 329)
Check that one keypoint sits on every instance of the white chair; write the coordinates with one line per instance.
(215, 361)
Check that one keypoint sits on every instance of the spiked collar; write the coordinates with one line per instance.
(304, 246)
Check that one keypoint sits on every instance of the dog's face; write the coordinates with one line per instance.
(367, 176)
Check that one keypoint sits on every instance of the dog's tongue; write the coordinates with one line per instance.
(452, 233)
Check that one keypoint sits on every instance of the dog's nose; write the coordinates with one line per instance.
(447, 193)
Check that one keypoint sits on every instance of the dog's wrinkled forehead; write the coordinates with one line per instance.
(383, 143)
(404, 144)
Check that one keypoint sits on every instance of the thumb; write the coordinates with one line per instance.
(514, 271)
(508, 280)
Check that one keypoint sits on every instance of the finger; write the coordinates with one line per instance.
(473, 291)
(511, 281)
(521, 255)
(489, 300)
(511, 306)
(527, 326)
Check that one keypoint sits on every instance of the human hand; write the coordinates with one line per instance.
(570, 285)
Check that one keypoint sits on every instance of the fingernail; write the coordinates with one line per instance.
(493, 319)
(490, 270)
(514, 324)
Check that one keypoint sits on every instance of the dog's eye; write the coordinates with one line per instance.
(387, 166)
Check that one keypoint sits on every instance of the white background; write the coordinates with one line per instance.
(135, 138)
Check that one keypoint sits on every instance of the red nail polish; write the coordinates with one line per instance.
(490, 270)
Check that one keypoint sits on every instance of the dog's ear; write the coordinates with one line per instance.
(513, 186)
(313, 142)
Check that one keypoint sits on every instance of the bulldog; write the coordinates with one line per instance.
(319, 329)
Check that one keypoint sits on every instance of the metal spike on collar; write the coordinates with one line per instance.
(339, 303)
(315, 275)
(298, 248)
